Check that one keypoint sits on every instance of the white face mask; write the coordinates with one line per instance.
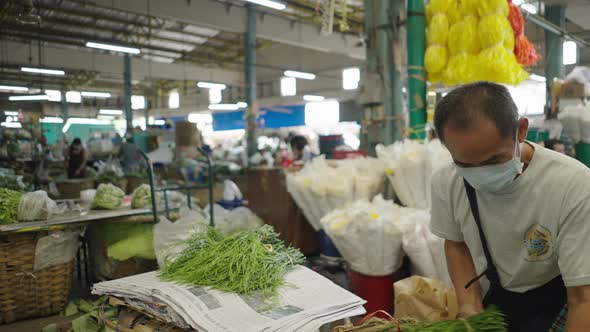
(493, 178)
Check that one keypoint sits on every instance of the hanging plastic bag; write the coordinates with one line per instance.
(438, 30)
(495, 29)
(435, 59)
(516, 19)
(463, 37)
(525, 52)
(56, 248)
(440, 6)
(36, 206)
(487, 7)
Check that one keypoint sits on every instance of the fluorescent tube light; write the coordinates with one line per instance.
(29, 97)
(242, 104)
(211, 85)
(299, 74)
(313, 98)
(11, 113)
(96, 94)
(43, 71)
(200, 117)
(224, 107)
(52, 119)
(159, 122)
(11, 124)
(270, 4)
(73, 97)
(14, 88)
(137, 102)
(116, 48)
(110, 112)
(105, 117)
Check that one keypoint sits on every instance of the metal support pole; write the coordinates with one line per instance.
(127, 92)
(64, 107)
(553, 50)
(387, 12)
(250, 83)
(416, 73)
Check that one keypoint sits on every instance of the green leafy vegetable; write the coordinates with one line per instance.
(9, 201)
(127, 240)
(108, 197)
(10, 182)
(490, 320)
(141, 197)
(242, 262)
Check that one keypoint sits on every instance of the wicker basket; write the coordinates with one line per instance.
(71, 188)
(25, 293)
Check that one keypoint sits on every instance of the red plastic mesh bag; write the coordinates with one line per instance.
(525, 51)
(516, 20)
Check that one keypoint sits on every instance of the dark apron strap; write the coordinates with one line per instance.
(491, 272)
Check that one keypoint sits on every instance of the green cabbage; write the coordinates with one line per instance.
(141, 197)
(108, 197)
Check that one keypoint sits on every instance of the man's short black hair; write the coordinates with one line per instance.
(76, 141)
(464, 104)
(298, 142)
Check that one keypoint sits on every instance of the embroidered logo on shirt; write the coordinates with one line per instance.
(537, 243)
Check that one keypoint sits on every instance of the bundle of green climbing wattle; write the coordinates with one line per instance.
(242, 262)
(491, 320)
(9, 201)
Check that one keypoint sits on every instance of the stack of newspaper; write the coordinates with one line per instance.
(305, 303)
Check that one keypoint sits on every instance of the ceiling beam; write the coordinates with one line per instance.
(107, 64)
(216, 15)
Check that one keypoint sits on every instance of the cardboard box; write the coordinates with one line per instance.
(572, 90)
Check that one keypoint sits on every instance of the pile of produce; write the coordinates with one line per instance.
(241, 262)
(141, 197)
(473, 40)
(36, 206)
(108, 197)
(409, 167)
(322, 186)
(490, 320)
(109, 172)
(128, 240)
(9, 201)
(10, 182)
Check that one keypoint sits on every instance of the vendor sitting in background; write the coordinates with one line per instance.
(76, 159)
(130, 156)
(300, 149)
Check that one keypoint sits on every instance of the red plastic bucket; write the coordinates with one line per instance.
(377, 291)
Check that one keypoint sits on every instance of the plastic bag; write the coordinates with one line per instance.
(170, 237)
(367, 236)
(469, 8)
(571, 118)
(440, 6)
(56, 248)
(424, 299)
(141, 197)
(438, 30)
(488, 7)
(87, 196)
(525, 52)
(454, 13)
(464, 37)
(435, 59)
(460, 69)
(36, 206)
(495, 29)
(238, 219)
(231, 192)
(108, 197)
(499, 65)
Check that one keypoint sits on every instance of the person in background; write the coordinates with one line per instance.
(76, 159)
(555, 145)
(130, 156)
(504, 219)
(300, 148)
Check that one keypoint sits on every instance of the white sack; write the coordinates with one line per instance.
(56, 248)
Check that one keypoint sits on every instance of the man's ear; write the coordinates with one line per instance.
(523, 128)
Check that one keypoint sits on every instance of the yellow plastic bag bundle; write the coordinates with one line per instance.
(497, 64)
(487, 7)
(441, 6)
(461, 69)
(435, 58)
(463, 37)
(454, 12)
(438, 30)
(434, 78)
(429, 14)
(469, 8)
(495, 29)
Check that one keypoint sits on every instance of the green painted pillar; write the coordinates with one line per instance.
(416, 29)
(387, 12)
(250, 80)
(127, 92)
(553, 50)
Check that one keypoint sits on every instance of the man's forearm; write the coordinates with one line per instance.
(578, 317)
(462, 270)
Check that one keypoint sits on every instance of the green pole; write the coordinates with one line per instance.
(127, 92)
(416, 28)
(250, 80)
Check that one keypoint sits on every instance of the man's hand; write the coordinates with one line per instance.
(462, 270)
(578, 302)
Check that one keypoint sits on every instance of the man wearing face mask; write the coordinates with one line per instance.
(514, 214)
